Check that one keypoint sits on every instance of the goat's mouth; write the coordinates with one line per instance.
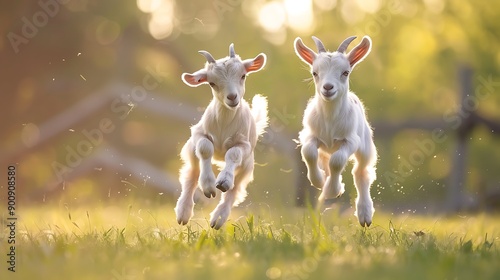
(328, 94)
(233, 105)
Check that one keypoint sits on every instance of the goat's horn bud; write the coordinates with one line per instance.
(319, 44)
(231, 50)
(343, 47)
(208, 56)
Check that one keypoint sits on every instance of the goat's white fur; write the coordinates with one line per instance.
(335, 127)
(226, 135)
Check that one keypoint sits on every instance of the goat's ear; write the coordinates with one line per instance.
(197, 78)
(255, 64)
(303, 52)
(360, 51)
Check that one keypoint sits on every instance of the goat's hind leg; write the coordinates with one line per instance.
(364, 175)
(189, 180)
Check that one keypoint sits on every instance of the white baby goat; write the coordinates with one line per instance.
(335, 124)
(227, 133)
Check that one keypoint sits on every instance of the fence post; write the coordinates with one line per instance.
(456, 195)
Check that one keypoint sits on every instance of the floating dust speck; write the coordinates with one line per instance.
(128, 183)
(132, 106)
(199, 20)
(81, 76)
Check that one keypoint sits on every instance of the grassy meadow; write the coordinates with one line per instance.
(143, 241)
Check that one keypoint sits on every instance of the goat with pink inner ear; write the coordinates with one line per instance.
(335, 128)
(226, 135)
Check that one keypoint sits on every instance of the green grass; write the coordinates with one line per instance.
(144, 242)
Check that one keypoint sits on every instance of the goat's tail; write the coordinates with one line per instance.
(259, 113)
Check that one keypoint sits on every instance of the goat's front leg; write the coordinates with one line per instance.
(333, 186)
(205, 152)
(310, 155)
(234, 196)
(233, 158)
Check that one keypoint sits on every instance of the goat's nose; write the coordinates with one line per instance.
(231, 96)
(328, 86)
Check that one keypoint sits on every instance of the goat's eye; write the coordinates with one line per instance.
(211, 84)
(243, 77)
(315, 74)
(345, 73)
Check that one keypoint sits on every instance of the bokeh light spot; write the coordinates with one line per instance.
(272, 16)
(107, 32)
(30, 135)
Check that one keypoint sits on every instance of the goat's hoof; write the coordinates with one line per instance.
(215, 224)
(183, 211)
(224, 181)
(209, 193)
(219, 216)
(207, 183)
(365, 224)
(364, 212)
(223, 186)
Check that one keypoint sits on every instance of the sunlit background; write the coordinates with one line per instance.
(94, 109)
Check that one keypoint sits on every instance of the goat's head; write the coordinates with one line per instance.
(331, 70)
(225, 76)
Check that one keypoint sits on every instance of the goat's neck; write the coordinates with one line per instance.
(222, 113)
(333, 108)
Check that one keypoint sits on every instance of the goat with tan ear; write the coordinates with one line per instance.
(335, 125)
(226, 135)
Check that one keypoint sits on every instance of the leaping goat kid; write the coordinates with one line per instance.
(335, 125)
(226, 135)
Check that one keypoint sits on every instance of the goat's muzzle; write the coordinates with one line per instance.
(232, 100)
(328, 94)
(328, 91)
(233, 104)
